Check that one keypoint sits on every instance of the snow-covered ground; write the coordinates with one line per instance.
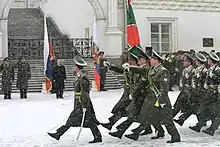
(25, 123)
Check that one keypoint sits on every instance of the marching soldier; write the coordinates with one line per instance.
(59, 77)
(198, 90)
(137, 97)
(182, 102)
(24, 74)
(157, 108)
(103, 71)
(209, 108)
(82, 105)
(120, 109)
(7, 77)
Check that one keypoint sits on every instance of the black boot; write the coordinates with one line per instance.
(25, 93)
(21, 93)
(209, 131)
(61, 93)
(159, 135)
(133, 136)
(5, 97)
(59, 132)
(117, 134)
(107, 125)
(54, 135)
(179, 121)
(9, 95)
(57, 94)
(173, 140)
(97, 135)
(147, 131)
(195, 128)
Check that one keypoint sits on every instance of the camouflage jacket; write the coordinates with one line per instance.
(212, 78)
(186, 78)
(198, 78)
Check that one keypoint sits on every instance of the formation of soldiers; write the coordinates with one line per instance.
(145, 98)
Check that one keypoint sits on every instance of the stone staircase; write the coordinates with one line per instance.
(29, 23)
(37, 76)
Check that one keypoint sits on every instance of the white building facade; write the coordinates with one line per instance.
(166, 25)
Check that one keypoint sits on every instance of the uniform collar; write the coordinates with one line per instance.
(201, 67)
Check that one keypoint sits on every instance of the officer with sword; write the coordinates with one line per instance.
(83, 114)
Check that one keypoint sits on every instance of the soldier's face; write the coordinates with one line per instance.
(23, 60)
(76, 69)
(210, 61)
(197, 63)
(59, 62)
(186, 63)
(132, 62)
(142, 61)
(153, 62)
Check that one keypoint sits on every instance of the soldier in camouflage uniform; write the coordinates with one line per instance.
(24, 74)
(7, 77)
(182, 102)
(210, 108)
(198, 90)
(82, 103)
(137, 98)
(120, 109)
(157, 108)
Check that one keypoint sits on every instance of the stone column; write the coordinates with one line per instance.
(1, 45)
(4, 30)
(114, 35)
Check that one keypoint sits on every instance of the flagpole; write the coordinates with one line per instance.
(125, 25)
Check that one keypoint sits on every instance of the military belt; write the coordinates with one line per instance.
(187, 85)
(78, 93)
(213, 86)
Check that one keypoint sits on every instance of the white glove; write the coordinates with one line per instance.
(193, 85)
(206, 86)
(84, 110)
(218, 88)
(181, 85)
(126, 65)
(162, 105)
(106, 64)
(130, 97)
(211, 74)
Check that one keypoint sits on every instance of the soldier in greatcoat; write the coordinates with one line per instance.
(209, 110)
(120, 109)
(7, 77)
(198, 90)
(82, 105)
(182, 102)
(23, 75)
(59, 77)
(157, 108)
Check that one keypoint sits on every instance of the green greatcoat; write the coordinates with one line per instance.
(7, 77)
(82, 100)
(150, 112)
(139, 92)
(130, 81)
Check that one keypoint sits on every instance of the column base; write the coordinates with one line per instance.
(114, 42)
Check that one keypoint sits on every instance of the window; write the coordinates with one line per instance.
(208, 42)
(161, 39)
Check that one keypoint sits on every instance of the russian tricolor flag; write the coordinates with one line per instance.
(48, 54)
(96, 56)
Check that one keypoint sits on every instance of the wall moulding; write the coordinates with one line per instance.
(177, 5)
